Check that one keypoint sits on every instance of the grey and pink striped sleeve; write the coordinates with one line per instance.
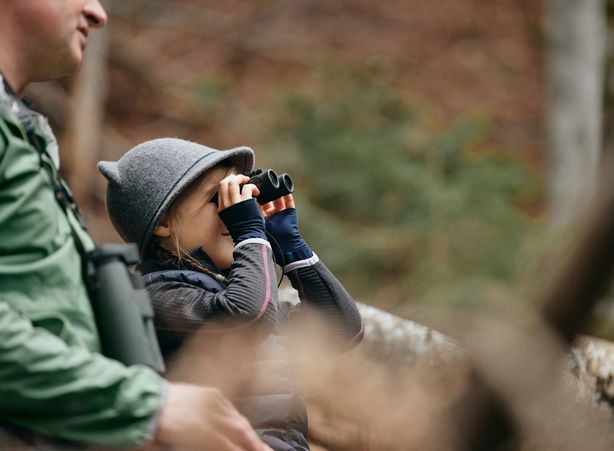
(250, 298)
(320, 290)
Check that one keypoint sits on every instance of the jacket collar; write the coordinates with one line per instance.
(160, 260)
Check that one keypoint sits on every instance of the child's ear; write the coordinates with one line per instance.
(162, 231)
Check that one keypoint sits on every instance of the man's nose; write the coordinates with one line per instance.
(95, 14)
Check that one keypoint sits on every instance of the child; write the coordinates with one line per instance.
(208, 266)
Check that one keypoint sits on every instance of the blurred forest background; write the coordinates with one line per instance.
(416, 132)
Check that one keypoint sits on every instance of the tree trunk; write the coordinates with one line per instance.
(85, 118)
(576, 46)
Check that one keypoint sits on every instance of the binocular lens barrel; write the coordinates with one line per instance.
(264, 179)
(286, 184)
(271, 185)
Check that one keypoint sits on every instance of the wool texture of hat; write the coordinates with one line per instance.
(144, 182)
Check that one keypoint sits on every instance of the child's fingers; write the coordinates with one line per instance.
(279, 204)
(268, 208)
(261, 210)
(289, 200)
(272, 207)
(230, 190)
(225, 192)
(248, 191)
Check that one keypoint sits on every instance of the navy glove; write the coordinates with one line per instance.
(286, 241)
(243, 221)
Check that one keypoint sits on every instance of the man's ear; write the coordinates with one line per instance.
(162, 231)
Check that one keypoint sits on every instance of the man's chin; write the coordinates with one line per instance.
(76, 61)
(66, 70)
(72, 62)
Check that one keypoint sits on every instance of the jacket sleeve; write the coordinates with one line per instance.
(71, 393)
(320, 290)
(250, 297)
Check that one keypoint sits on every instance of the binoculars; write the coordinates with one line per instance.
(122, 307)
(271, 185)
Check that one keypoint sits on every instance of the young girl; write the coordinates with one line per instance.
(208, 264)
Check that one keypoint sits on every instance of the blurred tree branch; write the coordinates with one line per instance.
(517, 357)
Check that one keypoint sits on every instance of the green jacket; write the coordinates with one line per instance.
(52, 377)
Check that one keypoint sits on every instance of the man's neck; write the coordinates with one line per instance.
(6, 85)
(16, 83)
(16, 67)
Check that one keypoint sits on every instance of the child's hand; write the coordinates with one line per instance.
(277, 205)
(234, 189)
(238, 209)
(281, 222)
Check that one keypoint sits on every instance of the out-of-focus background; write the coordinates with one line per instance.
(433, 144)
(442, 151)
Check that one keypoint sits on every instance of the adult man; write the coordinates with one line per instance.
(53, 380)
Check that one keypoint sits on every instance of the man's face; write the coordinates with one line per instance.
(53, 33)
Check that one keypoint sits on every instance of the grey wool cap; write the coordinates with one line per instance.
(144, 182)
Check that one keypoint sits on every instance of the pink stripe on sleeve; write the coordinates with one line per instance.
(267, 296)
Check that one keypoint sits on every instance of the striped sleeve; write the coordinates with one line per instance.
(250, 297)
(320, 290)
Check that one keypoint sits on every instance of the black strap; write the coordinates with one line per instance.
(31, 122)
(62, 195)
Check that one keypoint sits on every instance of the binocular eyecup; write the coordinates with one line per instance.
(271, 185)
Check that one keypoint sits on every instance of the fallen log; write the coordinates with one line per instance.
(394, 341)
(405, 367)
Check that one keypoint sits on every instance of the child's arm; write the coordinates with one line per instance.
(250, 297)
(318, 288)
